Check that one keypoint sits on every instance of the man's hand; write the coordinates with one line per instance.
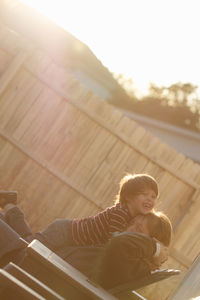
(162, 256)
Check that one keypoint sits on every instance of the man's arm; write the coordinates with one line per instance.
(142, 246)
(124, 259)
(134, 245)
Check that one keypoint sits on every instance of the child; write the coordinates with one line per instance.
(137, 195)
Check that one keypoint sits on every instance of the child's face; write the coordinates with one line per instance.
(141, 203)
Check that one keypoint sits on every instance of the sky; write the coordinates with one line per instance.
(146, 40)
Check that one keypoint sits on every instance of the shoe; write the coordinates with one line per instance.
(7, 197)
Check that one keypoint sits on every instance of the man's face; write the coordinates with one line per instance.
(139, 224)
(142, 203)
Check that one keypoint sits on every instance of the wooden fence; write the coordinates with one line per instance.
(65, 150)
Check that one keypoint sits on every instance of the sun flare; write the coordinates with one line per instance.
(134, 38)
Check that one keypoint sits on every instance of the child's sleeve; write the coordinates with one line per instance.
(117, 218)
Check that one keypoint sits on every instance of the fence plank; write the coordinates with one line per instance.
(12, 70)
(75, 95)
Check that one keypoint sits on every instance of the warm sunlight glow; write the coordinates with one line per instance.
(150, 41)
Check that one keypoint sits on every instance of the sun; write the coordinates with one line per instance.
(127, 39)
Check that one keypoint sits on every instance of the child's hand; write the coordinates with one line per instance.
(162, 256)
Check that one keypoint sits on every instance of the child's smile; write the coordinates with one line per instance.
(142, 203)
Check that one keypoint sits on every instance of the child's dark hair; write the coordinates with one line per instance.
(133, 184)
(160, 227)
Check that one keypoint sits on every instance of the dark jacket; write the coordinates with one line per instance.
(122, 259)
(125, 259)
(83, 258)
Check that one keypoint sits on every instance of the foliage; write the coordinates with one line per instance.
(177, 104)
(177, 94)
(126, 83)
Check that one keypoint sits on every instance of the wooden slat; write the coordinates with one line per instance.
(162, 289)
(14, 117)
(189, 286)
(44, 164)
(11, 42)
(108, 174)
(12, 162)
(104, 183)
(96, 153)
(12, 70)
(74, 94)
(187, 233)
(42, 255)
(190, 168)
(40, 189)
(38, 62)
(180, 257)
(177, 198)
(5, 59)
(17, 100)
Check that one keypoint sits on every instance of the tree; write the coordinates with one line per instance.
(177, 104)
(126, 83)
(183, 100)
(175, 94)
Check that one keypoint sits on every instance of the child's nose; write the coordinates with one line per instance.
(152, 197)
(149, 197)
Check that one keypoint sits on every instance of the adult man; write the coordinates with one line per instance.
(133, 254)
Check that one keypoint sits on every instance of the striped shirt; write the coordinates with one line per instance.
(98, 229)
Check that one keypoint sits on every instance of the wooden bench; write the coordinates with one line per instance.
(32, 282)
(189, 286)
(67, 281)
(13, 289)
(44, 291)
(59, 275)
(126, 290)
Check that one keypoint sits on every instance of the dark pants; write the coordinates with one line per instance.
(55, 236)
(13, 226)
(14, 217)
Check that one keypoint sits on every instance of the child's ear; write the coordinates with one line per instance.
(127, 199)
(124, 200)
